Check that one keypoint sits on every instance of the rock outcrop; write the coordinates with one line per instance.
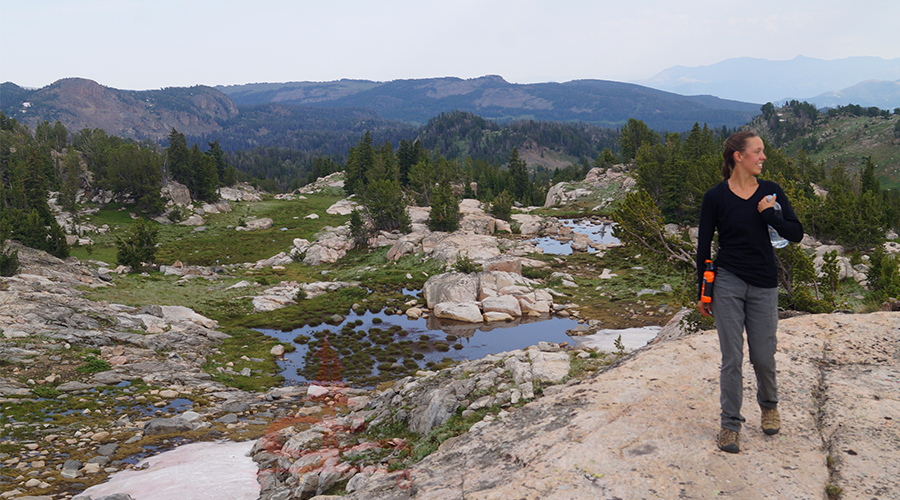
(240, 192)
(285, 293)
(602, 187)
(646, 428)
(256, 224)
(301, 461)
(159, 344)
(486, 296)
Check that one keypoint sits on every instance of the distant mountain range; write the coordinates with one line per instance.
(881, 94)
(597, 102)
(200, 111)
(867, 81)
(244, 114)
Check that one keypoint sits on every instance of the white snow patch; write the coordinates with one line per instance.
(220, 470)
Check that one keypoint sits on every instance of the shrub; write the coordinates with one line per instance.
(139, 248)
(466, 265)
(501, 207)
(94, 365)
(883, 276)
(9, 262)
(359, 232)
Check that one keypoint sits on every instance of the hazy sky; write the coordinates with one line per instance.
(132, 44)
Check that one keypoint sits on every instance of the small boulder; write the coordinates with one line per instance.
(167, 426)
(467, 312)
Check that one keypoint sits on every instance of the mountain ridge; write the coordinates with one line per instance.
(598, 102)
(201, 110)
(879, 93)
(762, 80)
(148, 114)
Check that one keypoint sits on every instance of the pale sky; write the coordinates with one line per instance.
(138, 45)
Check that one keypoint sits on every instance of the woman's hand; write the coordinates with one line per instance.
(764, 203)
(704, 308)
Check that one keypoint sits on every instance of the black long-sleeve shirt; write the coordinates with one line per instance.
(744, 246)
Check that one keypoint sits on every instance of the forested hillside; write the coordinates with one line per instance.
(463, 155)
(319, 131)
(460, 134)
(846, 135)
(297, 146)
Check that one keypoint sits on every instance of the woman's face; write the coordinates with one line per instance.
(752, 157)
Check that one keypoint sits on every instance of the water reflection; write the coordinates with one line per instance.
(600, 232)
(466, 340)
(427, 341)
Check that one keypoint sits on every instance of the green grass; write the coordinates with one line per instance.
(220, 243)
(255, 346)
(309, 311)
(373, 269)
(210, 299)
(616, 303)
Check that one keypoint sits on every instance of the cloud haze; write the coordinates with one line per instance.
(133, 44)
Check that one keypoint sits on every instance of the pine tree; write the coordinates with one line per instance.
(632, 136)
(408, 155)
(70, 180)
(798, 277)
(421, 181)
(518, 172)
(384, 202)
(218, 156)
(883, 276)
(359, 233)
(9, 257)
(178, 158)
(140, 246)
(204, 176)
(639, 223)
(444, 215)
(360, 160)
(501, 206)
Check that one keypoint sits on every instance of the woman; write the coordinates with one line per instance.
(746, 293)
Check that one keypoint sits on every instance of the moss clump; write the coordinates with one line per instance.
(251, 344)
(94, 365)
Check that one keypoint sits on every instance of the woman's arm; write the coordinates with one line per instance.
(788, 225)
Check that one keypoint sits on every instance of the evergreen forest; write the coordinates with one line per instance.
(455, 155)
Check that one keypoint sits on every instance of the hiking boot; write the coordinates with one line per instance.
(729, 441)
(771, 421)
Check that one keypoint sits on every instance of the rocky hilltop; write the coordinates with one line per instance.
(80, 103)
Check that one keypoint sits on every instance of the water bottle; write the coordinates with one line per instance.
(777, 240)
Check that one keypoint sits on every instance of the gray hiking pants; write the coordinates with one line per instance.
(737, 305)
